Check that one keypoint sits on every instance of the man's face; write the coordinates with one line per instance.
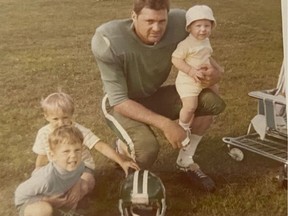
(150, 25)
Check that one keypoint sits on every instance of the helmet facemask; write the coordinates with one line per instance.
(141, 194)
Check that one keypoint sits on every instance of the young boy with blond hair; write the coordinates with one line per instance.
(58, 110)
(42, 193)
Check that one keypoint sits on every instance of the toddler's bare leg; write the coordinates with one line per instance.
(187, 112)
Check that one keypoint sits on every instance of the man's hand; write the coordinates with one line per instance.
(196, 74)
(212, 73)
(174, 133)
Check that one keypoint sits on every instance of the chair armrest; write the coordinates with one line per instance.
(266, 95)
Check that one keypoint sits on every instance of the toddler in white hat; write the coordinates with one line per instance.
(191, 58)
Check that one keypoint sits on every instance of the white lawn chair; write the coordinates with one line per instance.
(267, 132)
(271, 118)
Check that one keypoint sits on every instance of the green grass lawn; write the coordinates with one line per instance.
(45, 45)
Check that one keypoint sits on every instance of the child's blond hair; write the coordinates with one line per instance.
(66, 134)
(58, 101)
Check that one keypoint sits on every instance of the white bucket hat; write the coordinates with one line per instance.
(198, 12)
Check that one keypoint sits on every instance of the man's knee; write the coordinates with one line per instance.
(147, 152)
(219, 106)
(209, 103)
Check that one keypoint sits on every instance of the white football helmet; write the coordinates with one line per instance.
(142, 193)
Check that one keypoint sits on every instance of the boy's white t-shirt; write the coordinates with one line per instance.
(41, 145)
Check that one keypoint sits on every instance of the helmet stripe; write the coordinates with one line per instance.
(145, 182)
(138, 196)
(135, 182)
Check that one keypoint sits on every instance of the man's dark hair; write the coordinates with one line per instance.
(151, 4)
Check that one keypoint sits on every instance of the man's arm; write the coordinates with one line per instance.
(172, 131)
